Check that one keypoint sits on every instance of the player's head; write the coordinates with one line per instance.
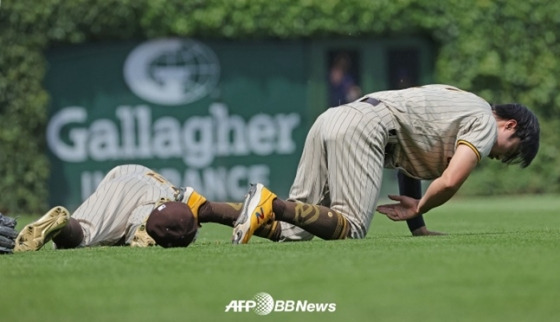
(172, 224)
(527, 130)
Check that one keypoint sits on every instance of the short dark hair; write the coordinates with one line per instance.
(528, 130)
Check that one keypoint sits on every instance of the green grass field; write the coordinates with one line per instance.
(499, 262)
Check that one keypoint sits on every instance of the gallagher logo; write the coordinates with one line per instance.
(171, 71)
(263, 304)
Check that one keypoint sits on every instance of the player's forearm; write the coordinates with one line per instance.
(412, 187)
(436, 195)
(443, 188)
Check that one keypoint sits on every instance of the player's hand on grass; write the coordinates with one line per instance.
(404, 210)
(423, 231)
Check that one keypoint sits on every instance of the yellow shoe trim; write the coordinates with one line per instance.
(257, 211)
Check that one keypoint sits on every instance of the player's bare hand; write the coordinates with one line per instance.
(404, 210)
(423, 231)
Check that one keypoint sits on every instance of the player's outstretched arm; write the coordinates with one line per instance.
(443, 188)
(440, 190)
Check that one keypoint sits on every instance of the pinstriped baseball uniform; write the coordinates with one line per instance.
(416, 130)
(122, 201)
(432, 121)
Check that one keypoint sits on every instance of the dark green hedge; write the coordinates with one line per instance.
(503, 50)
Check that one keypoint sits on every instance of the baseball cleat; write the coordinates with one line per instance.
(194, 200)
(38, 233)
(141, 237)
(256, 211)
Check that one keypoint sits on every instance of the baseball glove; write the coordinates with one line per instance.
(8, 234)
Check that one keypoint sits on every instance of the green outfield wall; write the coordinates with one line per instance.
(215, 115)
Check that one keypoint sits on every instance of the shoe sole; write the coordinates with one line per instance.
(243, 223)
(48, 225)
(141, 238)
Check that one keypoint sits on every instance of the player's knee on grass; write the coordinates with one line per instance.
(357, 231)
(291, 232)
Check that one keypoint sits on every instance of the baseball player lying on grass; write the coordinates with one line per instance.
(132, 205)
(431, 132)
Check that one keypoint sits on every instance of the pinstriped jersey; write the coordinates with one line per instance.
(432, 121)
(123, 200)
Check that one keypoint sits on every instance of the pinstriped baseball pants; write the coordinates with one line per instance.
(341, 166)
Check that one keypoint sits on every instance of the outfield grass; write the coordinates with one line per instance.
(499, 262)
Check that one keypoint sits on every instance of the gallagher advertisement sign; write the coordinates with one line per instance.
(216, 116)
